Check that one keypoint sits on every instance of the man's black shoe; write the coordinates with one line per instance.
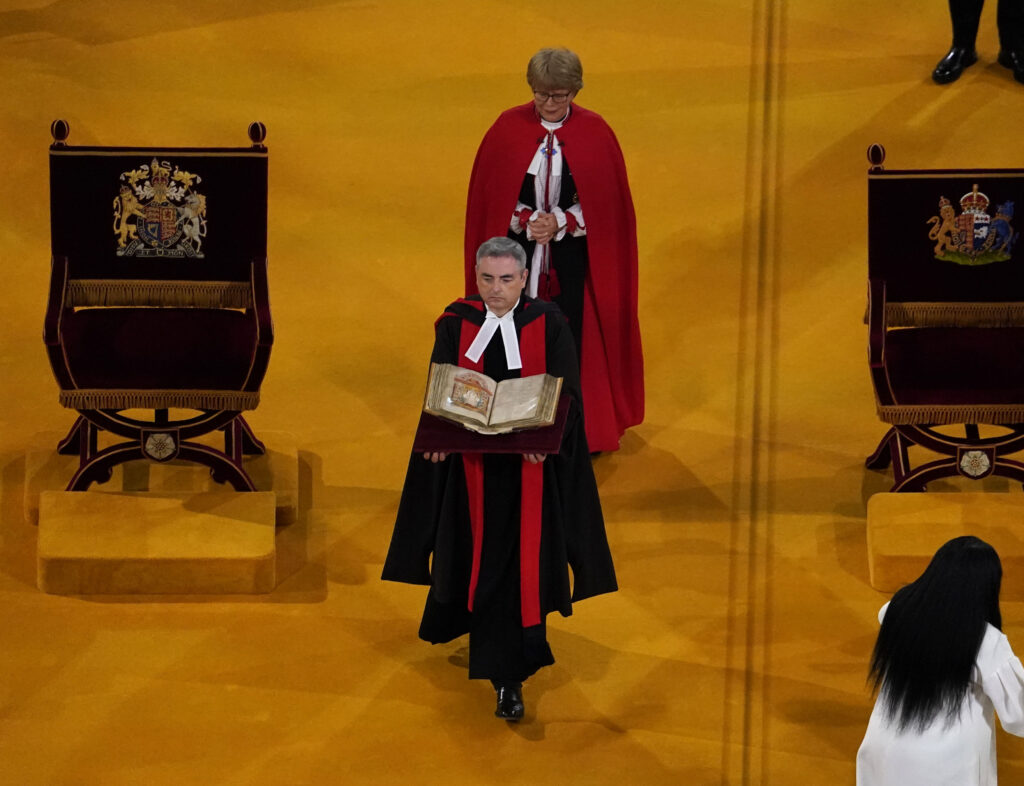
(953, 64)
(1014, 61)
(510, 701)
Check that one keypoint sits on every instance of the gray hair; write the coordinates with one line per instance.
(502, 247)
(555, 69)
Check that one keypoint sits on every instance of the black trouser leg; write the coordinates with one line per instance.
(501, 650)
(1010, 18)
(572, 278)
(965, 15)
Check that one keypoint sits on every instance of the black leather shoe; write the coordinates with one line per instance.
(953, 64)
(1014, 61)
(510, 701)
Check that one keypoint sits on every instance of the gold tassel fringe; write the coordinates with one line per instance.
(929, 314)
(159, 399)
(175, 294)
(945, 415)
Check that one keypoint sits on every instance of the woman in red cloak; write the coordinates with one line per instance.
(550, 174)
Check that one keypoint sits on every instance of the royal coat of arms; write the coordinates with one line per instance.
(158, 213)
(973, 237)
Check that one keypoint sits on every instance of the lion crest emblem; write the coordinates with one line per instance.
(972, 237)
(158, 212)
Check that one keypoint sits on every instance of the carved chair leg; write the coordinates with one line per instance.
(881, 458)
(233, 441)
(222, 468)
(100, 467)
(899, 439)
(918, 479)
(1009, 468)
(97, 466)
(251, 446)
(82, 434)
(898, 452)
(240, 440)
(948, 468)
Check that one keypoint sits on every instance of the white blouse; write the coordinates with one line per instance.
(962, 753)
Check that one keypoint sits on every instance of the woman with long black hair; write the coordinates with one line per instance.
(942, 667)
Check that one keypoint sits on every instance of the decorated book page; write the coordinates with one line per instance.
(461, 393)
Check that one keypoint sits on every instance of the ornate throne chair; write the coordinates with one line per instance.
(158, 323)
(946, 320)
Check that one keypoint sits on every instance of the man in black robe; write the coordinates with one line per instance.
(494, 534)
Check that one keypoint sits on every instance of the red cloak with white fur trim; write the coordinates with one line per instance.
(611, 368)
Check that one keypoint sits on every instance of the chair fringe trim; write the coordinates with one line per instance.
(946, 415)
(909, 314)
(159, 399)
(175, 294)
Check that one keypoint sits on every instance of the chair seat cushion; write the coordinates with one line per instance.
(159, 348)
(966, 368)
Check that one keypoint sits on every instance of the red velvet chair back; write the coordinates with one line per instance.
(944, 242)
(158, 226)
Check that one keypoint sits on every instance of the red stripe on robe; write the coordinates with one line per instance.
(474, 467)
(532, 349)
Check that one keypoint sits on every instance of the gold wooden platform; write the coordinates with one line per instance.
(154, 544)
(159, 528)
(904, 531)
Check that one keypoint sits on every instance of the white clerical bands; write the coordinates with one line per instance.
(508, 336)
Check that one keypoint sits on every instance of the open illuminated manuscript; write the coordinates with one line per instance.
(477, 402)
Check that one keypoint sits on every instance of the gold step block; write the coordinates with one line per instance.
(219, 542)
(904, 531)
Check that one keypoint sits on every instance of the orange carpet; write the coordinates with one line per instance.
(736, 650)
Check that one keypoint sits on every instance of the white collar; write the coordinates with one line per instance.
(555, 125)
(492, 323)
(492, 315)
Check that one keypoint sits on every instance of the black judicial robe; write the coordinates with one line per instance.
(432, 543)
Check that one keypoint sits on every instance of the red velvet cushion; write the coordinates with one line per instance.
(958, 366)
(159, 348)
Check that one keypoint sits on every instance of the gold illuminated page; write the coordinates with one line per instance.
(477, 402)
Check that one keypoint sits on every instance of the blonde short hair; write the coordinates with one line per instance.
(555, 69)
